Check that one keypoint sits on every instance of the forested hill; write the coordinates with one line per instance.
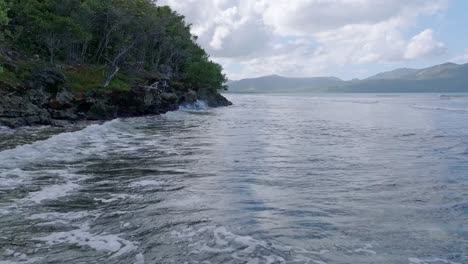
(104, 46)
(443, 78)
(280, 84)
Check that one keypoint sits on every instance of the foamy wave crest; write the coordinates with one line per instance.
(64, 148)
(109, 243)
(431, 261)
(198, 105)
(52, 192)
(436, 108)
(206, 241)
(6, 130)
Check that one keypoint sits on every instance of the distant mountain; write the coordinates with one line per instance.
(278, 84)
(447, 77)
(446, 70)
(392, 75)
(439, 71)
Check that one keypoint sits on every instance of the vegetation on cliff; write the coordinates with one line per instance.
(101, 49)
(129, 37)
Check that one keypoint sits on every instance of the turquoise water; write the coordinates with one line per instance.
(273, 179)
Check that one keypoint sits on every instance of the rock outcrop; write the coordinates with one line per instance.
(46, 100)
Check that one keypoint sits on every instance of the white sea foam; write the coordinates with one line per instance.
(139, 259)
(245, 249)
(21, 257)
(366, 249)
(63, 216)
(11, 178)
(110, 243)
(26, 164)
(144, 183)
(60, 218)
(6, 130)
(430, 261)
(116, 197)
(198, 105)
(61, 147)
(52, 192)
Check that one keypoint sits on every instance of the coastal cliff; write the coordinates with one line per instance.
(67, 61)
(46, 97)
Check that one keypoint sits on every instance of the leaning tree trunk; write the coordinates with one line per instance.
(116, 62)
(111, 76)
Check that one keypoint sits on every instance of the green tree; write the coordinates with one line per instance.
(3, 13)
(130, 36)
(206, 74)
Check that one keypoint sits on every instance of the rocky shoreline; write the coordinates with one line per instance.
(45, 99)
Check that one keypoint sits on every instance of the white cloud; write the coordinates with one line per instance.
(424, 44)
(219, 35)
(463, 58)
(309, 37)
(306, 17)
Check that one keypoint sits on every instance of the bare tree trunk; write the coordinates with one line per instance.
(111, 76)
(53, 43)
(104, 43)
(101, 42)
(51, 57)
(84, 49)
(116, 62)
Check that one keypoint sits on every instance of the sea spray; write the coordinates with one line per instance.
(197, 106)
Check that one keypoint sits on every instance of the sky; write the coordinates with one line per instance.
(343, 38)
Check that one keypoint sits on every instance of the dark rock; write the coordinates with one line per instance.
(49, 80)
(20, 111)
(62, 100)
(45, 100)
(214, 99)
(143, 101)
(64, 114)
(170, 97)
(102, 111)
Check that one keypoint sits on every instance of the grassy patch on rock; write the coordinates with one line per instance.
(85, 78)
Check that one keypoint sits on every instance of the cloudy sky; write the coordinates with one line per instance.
(343, 38)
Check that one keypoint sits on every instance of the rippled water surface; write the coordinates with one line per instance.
(272, 179)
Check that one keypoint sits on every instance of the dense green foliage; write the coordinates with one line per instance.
(126, 36)
(3, 13)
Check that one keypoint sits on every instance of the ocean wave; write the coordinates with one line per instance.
(62, 147)
(116, 198)
(6, 130)
(217, 240)
(450, 97)
(110, 243)
(52, 192)
(388, 95)
(406, 135)
(35, 167)
(437, 108)
(357, 101)
(431, 261)
(54, 216)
